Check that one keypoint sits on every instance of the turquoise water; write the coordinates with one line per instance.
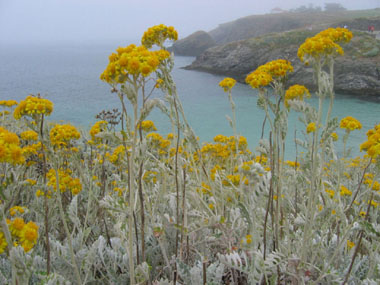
(69, 76)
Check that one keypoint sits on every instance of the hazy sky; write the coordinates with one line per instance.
(41, 21)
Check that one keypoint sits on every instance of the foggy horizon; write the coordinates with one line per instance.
(97, 21)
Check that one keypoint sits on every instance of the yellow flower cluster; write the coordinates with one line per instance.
(32, 106)
(159, 142)
(337, 34)
(258, 79)
(264, 74)
(205, 189)
(349, 123)
(227, 83)
(31, 149)
(277, 68)
(29, 135)
(372, 145)
(311, 127)
(235, 180)
(16, 209)
(61, 135)
(150, 176)
(3, 242)
(292, 164)
(350, 244)
(8, 103)
(22, 233)
(98, 127)
(10, 150)
(148, 126)
(296, 92)
(330, 192)
(158, 34)
(246, 240)
(132, 60)
(334, 136)
(324, 43)
(117, 155)
(66, 181)
(224, 146)
(344, 191)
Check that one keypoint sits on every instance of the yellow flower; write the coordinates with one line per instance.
(296, 92)
(10, 150)
(227, 83)
(61, 135)
(334, 136)
(66, 181)
(28, 236)
(8, 103)
(3, 242)
(372, 145)
(31, 181)
(373, 203)
(292, 164)
(158, 34)
(16, 226)
(311, 128)
(277, 68)
(257, 79)
(98, 127)
(131, 62)
(159, 83)
(16, 209)
(324, 44)
(344, 191)
(349, 123)
(29, 135)
(148, 126)
(350, 244)
(330, 192)
(32, 106)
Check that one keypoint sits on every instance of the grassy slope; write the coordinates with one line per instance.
(256, 25)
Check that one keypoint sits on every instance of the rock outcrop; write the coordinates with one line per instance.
(194, 44)
(357, 72)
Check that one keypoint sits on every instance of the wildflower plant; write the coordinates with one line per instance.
(126, 204)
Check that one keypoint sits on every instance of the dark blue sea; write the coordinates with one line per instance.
(68, 75)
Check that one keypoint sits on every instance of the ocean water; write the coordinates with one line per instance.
(69, 77)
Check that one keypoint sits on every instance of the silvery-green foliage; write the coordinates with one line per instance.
(184, 272)
(23, 262)
(229, 121)
(331, 126)
(162, 282)
(130, 92)
(215, 272)
(371, 282)
(281, 123)
(263, 146)
(142, 272)
(5, 270)
(148, 107)
(303, 107)
(235, 261)
(56, 279)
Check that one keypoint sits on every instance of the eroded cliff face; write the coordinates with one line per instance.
(357, 72)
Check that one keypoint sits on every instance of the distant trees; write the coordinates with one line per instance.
(334, 7)
(309, 8)
(329, 7)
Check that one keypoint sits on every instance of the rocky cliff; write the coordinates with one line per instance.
(194, 44)
(357, 72)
